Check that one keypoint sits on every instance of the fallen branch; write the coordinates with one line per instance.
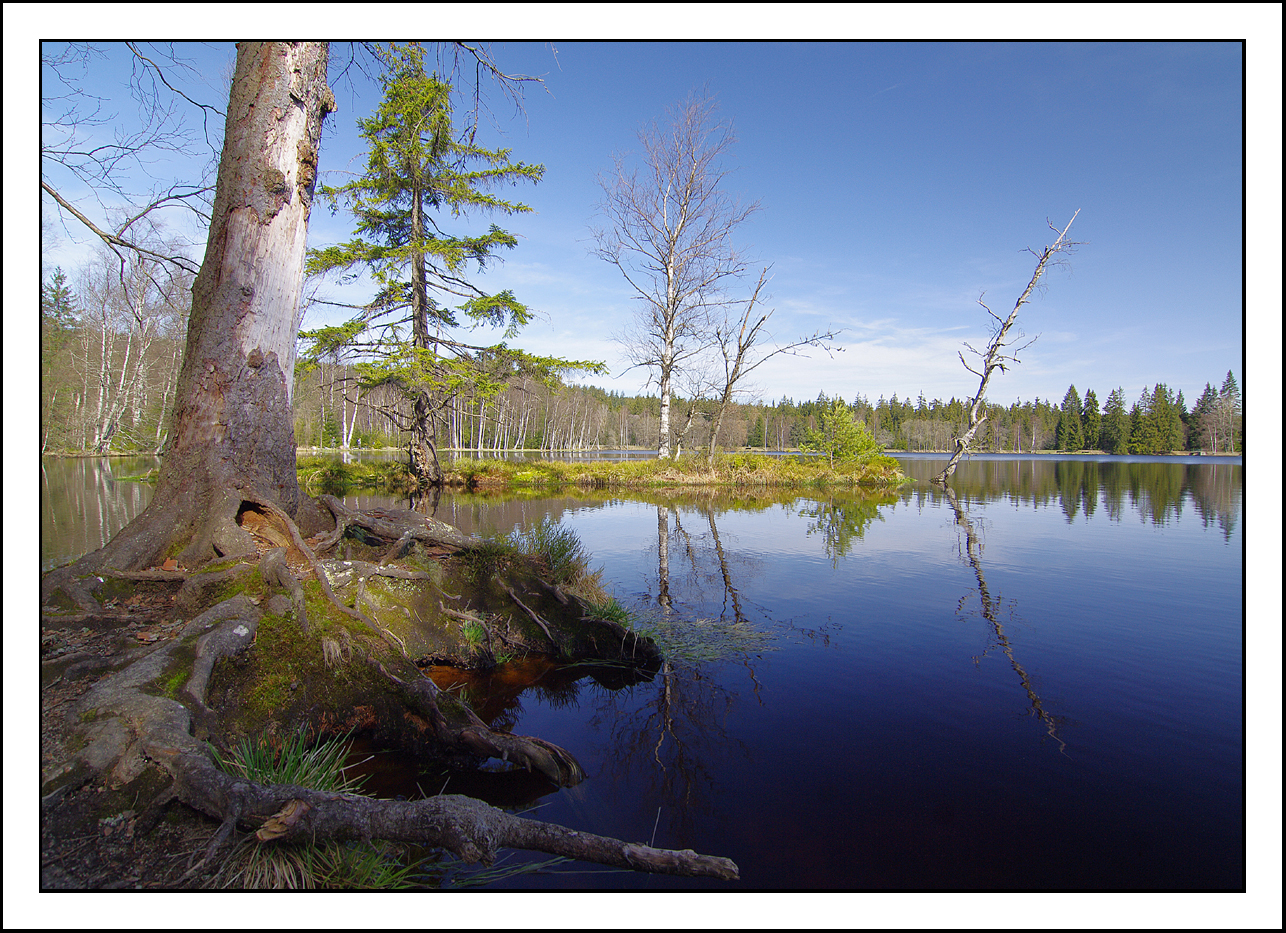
(535, 618)
(125, 717)
(392, 525)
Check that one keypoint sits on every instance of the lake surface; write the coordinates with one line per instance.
(1034, 683)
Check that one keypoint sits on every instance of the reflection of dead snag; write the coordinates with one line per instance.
(991, 612)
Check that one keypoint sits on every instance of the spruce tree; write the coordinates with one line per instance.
(1115, 431)
(1091, 421)
(419, 175)
(1202, 421)
(1070, 432)
(1146, 436)
(838, 435)
(1229, 407)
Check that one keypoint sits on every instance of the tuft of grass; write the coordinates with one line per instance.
(696, 641)
(293, 762)
(473, 633)
(557, 547)
(563, 556)
(347, 866)
(354, 866)
(612, 611)
(299, 866)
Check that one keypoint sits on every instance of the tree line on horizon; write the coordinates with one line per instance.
(110, 356)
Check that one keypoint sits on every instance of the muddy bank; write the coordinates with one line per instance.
(144, 695)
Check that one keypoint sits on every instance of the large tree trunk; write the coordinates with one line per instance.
(232, 438)
(423, 449)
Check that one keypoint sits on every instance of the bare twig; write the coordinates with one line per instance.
(995, 356)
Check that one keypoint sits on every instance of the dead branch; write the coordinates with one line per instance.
(391, 524)
(544, 627)
(993, 357)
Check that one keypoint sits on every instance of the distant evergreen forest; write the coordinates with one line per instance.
(109, 366)
(535, 417)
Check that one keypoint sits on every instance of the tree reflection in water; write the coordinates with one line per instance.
(842, 520)
(991, 609)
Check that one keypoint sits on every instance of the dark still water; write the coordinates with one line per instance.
(1034, 683)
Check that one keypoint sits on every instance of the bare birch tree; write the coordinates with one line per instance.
(741, 345)
(998, 352)
(668, 229)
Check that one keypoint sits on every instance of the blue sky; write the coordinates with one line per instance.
(897, 181)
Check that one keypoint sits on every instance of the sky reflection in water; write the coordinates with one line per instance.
(1035, 683)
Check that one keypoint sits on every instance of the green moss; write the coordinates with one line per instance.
(250, 582)
(174, 683)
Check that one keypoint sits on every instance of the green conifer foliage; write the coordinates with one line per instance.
(1115, 432)
(421, 176)
(1070, 432)
(1091, 421)
(839, 436)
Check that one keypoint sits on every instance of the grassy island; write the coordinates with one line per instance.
(733, 470)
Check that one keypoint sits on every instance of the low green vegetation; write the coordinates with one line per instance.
(293, 761)
(696, 641)
(728, 469)
(327, 475)
(847, 465)
(334, 865)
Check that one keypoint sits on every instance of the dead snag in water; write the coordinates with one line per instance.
(993, 358)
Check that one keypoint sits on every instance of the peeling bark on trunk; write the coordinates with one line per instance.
(232, 436)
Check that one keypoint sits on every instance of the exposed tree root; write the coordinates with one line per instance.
(128, 720)
(393, 526)
(132, 726)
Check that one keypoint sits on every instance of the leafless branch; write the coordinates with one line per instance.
(993, 358)
(112, 240)
(75, 152)
(738, 345)
(667, 227)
